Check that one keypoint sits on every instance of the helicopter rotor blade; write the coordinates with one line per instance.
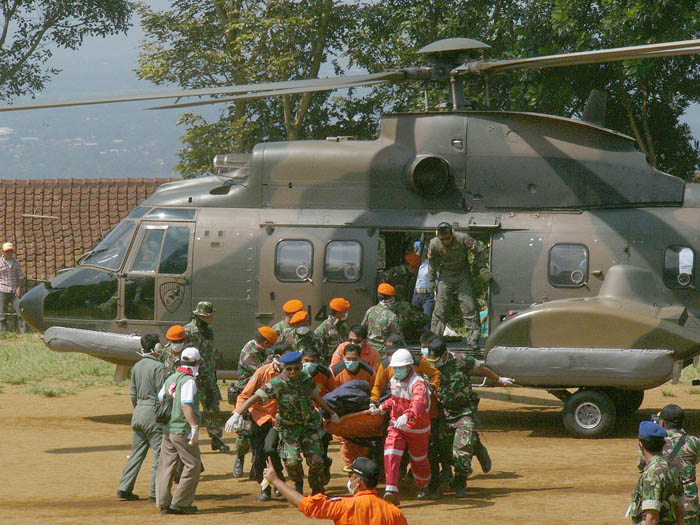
(313, 84)
(271, 93)
(585, 57)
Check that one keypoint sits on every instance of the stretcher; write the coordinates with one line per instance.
(359, 425)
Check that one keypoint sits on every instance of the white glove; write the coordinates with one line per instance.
(335, 418)
(193, 436)
(506, 381)
(234, 422)
(374, 409)
(401, 422)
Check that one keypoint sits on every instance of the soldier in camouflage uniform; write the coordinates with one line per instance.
(300, 335)
(252, 356)
(458, 405)
(170, 356)
(290, 308)
(658, 496)
(201, 336)
(412, 322)
(298, 422)
(403, 277)
(683, 451)
(333, 330)
(448, 256)
(380, 321)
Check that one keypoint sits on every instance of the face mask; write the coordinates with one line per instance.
(351, 489)
(195, 370)
(276, 363)
(310, 368)
(177, 347)
(401, 373)
(352, 366)
(424, 350)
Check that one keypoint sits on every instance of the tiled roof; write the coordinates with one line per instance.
(54, 221)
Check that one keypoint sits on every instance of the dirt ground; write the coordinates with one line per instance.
(62, 459)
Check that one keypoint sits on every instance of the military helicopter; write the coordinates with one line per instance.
(593, 251)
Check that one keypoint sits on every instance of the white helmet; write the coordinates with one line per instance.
(401, 357)
(190, 355)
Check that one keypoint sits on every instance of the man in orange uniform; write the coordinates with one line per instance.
(349, 369)
(263, 435)
(364, 507)
(358, 336)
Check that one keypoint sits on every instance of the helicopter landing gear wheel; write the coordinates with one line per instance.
(589, 414)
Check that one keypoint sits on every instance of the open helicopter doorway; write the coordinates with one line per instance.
(392, 250)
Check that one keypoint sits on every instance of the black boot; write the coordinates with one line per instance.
(299, 486)
(483, 456)
(266, 494)
(460, 488)
(217, 444)
(238, 466)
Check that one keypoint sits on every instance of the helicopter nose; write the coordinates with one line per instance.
(31, 306)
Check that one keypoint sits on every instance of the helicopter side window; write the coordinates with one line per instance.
(343, 261)
(679, 264)
(140, 297)
(110, 252)
(82, 293)
(568, 265)
(294, 260)
(177, 246)
(149, 251)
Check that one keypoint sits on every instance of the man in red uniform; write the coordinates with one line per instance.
(409, 405)
(364, 507)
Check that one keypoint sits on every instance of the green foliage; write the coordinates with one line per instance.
(31, 29)
(668, 393)
(48, 391)
(202, 43)
(25, 359)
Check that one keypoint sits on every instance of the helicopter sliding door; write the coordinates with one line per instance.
(316, 265)
(156, 285)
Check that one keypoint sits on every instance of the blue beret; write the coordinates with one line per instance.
(649, 429)
(290, 357)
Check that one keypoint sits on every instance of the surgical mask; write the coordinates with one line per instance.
(351, 489)
(401, 373)
(195, 370)
(177, 347)
(310, 368)
(352, 366)
(424, 350)
(276, 363)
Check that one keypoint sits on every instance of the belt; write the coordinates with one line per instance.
(422, 290)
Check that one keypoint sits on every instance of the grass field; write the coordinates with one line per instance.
(25, 360)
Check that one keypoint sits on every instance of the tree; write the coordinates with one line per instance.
(32, 29)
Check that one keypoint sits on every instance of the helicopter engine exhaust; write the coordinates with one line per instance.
(429, 175)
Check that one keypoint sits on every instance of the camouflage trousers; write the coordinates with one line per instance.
(211, 418)
(464, 294)
(298, 440)
(461, 434)
(692, 520)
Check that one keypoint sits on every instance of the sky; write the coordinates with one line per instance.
(114, 140)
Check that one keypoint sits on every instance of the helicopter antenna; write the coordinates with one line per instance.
(425, 95)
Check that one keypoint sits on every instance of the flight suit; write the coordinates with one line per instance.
(458, 405)
(201, 336)
(331, 333)
(381, 323)
(659, 488)
(299, 425)
(452, 264)
(147, 377)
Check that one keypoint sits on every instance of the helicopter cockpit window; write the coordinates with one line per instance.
(177, 246)
(172, 214)
(83, 293)
(568, 265)
(343, 261)
(140, 297)
(110, 252)
(149, 251)
(679, 264)
(139, 212)
(294, 260)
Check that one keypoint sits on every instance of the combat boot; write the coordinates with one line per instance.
(238, 466)
(217, 444)
(483, 456)
(460, 488)
(265, 494)
(299, 486)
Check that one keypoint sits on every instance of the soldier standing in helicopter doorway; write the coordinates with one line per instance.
(448, 259)
(200, 335)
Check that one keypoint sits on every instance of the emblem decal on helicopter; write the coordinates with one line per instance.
(171, 294)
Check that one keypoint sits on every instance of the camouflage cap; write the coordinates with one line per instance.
(204, 308)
